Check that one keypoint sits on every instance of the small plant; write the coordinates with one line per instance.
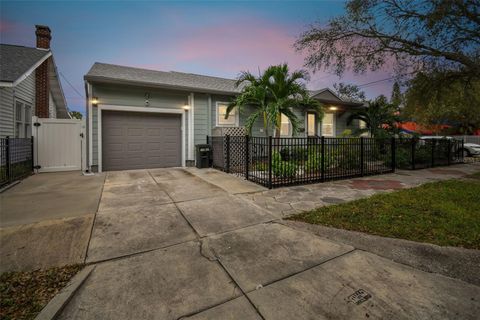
(282, 169)
(261, 166)
(314, 160)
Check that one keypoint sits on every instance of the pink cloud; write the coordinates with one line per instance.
(236, 46)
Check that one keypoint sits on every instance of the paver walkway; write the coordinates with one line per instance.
(291, 200)
(167, 244)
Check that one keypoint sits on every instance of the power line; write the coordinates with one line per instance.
(74, 89)
(377, 81)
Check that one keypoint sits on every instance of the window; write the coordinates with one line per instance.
(23, 120)
(328, 125)
(284, 126)
(222, 111)
(311, 124)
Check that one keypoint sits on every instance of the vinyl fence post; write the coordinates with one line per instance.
(413, 153)
(394, 155)
(7, 157)
(31, 150)
(362, 156)
(270, 162)
(227, 147)
(247, 155)
(322, 168)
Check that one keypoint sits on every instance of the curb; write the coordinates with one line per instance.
(55, 306)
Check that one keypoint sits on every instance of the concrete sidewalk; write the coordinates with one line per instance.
(168, 244)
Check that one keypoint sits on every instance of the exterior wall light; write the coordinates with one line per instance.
(186, 107)
(94, 100)
(333, 108)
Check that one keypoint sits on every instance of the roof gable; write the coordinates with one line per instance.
(16, 62)
(326, 94)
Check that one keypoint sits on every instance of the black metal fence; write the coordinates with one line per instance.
(274, 162)
(426, 153)
(16, 159)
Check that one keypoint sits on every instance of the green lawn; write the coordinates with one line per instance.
(24, 294)
(446, 213)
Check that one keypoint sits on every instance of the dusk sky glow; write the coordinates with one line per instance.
(217, 38)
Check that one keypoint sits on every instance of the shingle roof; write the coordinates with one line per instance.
(172, 79)
(16, 60)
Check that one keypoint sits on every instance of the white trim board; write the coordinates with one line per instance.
(101, 107)
(191, 126)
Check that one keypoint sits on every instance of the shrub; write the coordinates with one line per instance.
(403, 158)
(349, 159)
(282, 169)
(294, 154)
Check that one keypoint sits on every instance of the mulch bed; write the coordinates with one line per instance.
(24, 294)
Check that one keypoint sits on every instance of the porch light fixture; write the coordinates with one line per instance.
(333, 108)
(186, 107)
(94, 100)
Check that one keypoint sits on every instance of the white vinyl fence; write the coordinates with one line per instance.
(59, 144)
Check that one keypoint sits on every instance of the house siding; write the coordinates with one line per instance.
(6, 112)
(24, 91)
(201, 124)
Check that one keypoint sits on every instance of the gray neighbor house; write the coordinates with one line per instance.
(138, 118)
(29, 86)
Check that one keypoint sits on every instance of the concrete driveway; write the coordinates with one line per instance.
(46, 220)
(169, 244)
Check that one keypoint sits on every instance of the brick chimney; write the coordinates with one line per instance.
(44, 36)
(42, 84)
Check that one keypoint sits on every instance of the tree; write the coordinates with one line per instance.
(396, 98)
(76, 115)
(379, 116)
(349, 92)
(271, 94)
(412, 36)
(433, 99)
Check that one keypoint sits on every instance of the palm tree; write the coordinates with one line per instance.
(377, 116)
(273, 93)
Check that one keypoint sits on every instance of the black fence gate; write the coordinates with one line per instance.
(16, 159)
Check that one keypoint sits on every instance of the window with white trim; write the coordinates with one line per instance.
(328, 125)
(23, 119)
(284, 126)
(231, 120)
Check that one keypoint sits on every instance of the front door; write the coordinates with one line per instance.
(312, 124)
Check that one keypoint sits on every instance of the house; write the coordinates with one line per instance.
(29, 86)
(141, 118)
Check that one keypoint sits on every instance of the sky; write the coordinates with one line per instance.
(216, 38)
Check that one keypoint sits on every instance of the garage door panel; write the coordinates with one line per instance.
(132, 140)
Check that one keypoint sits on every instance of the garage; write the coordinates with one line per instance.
(136, 140)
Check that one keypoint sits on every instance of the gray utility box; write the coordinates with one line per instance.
(203, 152)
